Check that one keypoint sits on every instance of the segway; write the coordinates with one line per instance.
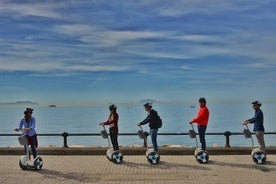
(258, 156)
(25, 162)
(152, 156)
(114, 156)
(201, 156)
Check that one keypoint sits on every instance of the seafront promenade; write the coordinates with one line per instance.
(221, 169)
(177, 165)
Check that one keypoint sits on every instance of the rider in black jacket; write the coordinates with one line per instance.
(154, 123)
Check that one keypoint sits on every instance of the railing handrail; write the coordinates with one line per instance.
(227, 135)
(127, 134)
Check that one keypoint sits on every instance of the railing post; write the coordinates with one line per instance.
(65, 135)
(227, 135)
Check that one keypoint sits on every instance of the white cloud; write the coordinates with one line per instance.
(94, 68)
(44, 9)
(181, 8)
(186, 67)
(115, 38)
(35, 66)
(29, 66)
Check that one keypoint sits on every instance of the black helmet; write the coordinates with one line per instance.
(257, 103)
(28, 110)
(202, 100)
(149, 104)
(112, 107)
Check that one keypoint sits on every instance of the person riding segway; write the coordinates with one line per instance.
(202, 122)
(113, 154)
(155, 123)
(27, 138)
(258, 154)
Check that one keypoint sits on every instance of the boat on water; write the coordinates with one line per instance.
(52, 106)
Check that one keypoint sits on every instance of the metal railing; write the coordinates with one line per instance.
(65, 135)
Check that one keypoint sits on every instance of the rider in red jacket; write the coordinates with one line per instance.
(202, 121)
(113, 126)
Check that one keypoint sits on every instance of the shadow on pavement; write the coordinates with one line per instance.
(77, 177)
(263, 167)
(165, 165)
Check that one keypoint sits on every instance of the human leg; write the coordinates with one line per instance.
(201, 132)
(260, 138)
(33, 142)
(114, 139)
(153, 133)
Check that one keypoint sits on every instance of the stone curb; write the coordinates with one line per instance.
(132, 150)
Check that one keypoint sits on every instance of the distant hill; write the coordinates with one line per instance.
(148, 100)
(19, 103)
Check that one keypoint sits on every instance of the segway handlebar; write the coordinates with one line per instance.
(104, 133)
(192, 132)
(247, 134)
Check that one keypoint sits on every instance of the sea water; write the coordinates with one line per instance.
(226, 117)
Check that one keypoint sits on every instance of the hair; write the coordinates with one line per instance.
(148, 105)
(202, 99)
(28, 110)
(112, 107)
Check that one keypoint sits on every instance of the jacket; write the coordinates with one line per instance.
(202, 116)
(153, 119)
(258, 120)
(113, 122)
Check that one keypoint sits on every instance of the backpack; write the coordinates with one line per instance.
(158, 120)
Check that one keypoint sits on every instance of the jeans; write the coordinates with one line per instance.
(260, 138)
(153, 134)
(33, 142)
(201, 132)
(114, 139)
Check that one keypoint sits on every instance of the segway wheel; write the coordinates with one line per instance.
(38, 163)
(259, 157)
(117, 157)
(153, 157)
(202, 156)
(23, 167)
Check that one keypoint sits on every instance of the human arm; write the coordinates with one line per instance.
(145, 121)
(202, 113)
(19, 126)
(111, 120)
(258, 117)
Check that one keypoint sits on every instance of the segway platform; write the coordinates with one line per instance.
(25, 162)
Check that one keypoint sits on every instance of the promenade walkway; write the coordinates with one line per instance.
(71, 169)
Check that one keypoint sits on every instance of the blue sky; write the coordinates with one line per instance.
(90, 52)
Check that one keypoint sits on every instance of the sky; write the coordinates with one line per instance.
(89, 52)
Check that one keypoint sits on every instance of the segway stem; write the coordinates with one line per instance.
(109, 145)
(145, 138)
(250, 137)
(195, 136)
(26, 146)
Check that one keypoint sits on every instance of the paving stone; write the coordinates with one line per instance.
(226, 169)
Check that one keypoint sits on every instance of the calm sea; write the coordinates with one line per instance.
(175, 120)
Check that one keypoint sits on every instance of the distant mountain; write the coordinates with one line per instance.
(20, 103)
(148, 100)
